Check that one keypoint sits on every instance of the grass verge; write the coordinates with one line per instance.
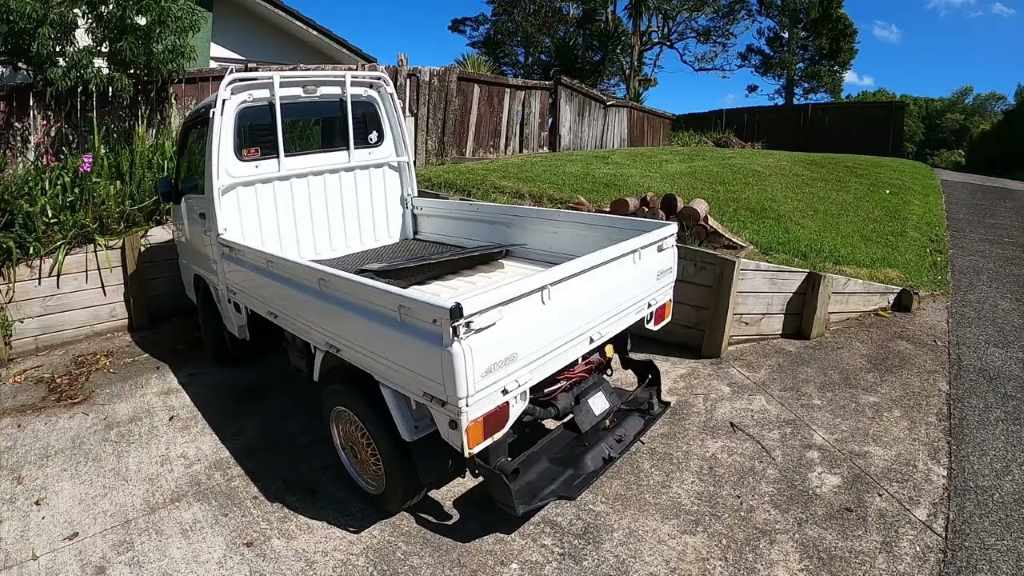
(880, 219)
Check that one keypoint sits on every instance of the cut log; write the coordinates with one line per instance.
(648, 201)
(694, 212)
(655, 214)
(700, 232)
(642, 213)
(624, 206)
(670, 204)
(581, 205)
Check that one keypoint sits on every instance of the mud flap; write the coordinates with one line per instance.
(565, 462)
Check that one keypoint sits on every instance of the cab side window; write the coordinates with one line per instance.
(191, 170)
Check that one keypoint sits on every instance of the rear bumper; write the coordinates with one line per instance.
(566, 461)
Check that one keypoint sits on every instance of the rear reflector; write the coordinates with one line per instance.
(486, 426)
(661, 315)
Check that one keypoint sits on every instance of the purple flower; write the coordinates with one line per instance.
(86, 166)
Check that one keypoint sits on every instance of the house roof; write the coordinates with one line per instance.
(320, 29)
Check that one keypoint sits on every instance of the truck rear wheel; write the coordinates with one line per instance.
(370, 449)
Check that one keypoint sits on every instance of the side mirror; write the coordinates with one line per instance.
(190, 186)
(165, 190)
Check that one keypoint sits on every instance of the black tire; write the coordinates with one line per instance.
(401, 483)
(218, 343)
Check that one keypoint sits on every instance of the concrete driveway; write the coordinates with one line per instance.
(986, 235)
(787, 458)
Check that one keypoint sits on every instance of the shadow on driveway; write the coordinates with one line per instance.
(268, 417)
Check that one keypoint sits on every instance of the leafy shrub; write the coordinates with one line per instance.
(49, 206)
(691, 139)
(711, 139)
(948, 159)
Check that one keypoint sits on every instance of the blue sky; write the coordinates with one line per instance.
(925, 47)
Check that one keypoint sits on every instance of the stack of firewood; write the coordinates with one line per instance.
(695, 222)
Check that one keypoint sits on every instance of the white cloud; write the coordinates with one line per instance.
(944, 6)
(976, 13)
(1000, 9)
(854, 79)
(887, 32)
(729, 99)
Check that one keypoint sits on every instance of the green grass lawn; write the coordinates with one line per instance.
(879, 219)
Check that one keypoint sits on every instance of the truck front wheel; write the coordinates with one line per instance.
(373, 454)
(220, 345)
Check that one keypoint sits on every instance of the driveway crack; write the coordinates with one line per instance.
(842, 452)
(172, 502)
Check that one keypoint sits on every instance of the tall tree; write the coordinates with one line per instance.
(537, 38)
(802, 47)
(701, 34)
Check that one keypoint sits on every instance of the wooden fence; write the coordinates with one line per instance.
(457, 115)
(589, 120)
(874, 128)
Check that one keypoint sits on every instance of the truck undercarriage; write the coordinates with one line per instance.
(535, 463)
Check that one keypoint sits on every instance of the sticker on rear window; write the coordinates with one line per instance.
(250, 153)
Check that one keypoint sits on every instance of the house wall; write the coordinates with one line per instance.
(250, 31)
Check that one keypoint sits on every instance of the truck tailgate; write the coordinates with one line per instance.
(519, 334)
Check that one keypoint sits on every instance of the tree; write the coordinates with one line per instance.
(538, 38)
(145, 44)
(38, 38)
(702, 34)
(126, 45)
(803, 47)
(605, 43)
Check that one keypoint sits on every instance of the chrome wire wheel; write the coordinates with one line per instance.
(357, 450)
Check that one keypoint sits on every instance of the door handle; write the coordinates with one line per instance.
(202, 216)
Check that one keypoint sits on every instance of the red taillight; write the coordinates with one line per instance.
(662, 314)
(486, 426)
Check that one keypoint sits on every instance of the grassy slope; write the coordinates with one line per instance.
(876, 218)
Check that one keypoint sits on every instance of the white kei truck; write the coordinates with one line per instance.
(446, 336)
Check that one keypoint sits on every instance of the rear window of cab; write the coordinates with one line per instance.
(311, 127)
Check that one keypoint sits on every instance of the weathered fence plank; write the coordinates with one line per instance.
(64, 302)
(105, 277)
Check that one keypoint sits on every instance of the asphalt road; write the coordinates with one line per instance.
(986, 233)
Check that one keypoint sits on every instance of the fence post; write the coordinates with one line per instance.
(422, 123)
(814, 317)
(134, 282)
(556, 116)
(719, 327)
(451, 110)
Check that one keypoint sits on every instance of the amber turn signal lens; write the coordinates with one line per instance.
(486, 426)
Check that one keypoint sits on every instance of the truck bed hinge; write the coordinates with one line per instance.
(434, 400)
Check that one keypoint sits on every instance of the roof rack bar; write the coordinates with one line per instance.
(348, 118)
(368, 76)
(279, 124)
